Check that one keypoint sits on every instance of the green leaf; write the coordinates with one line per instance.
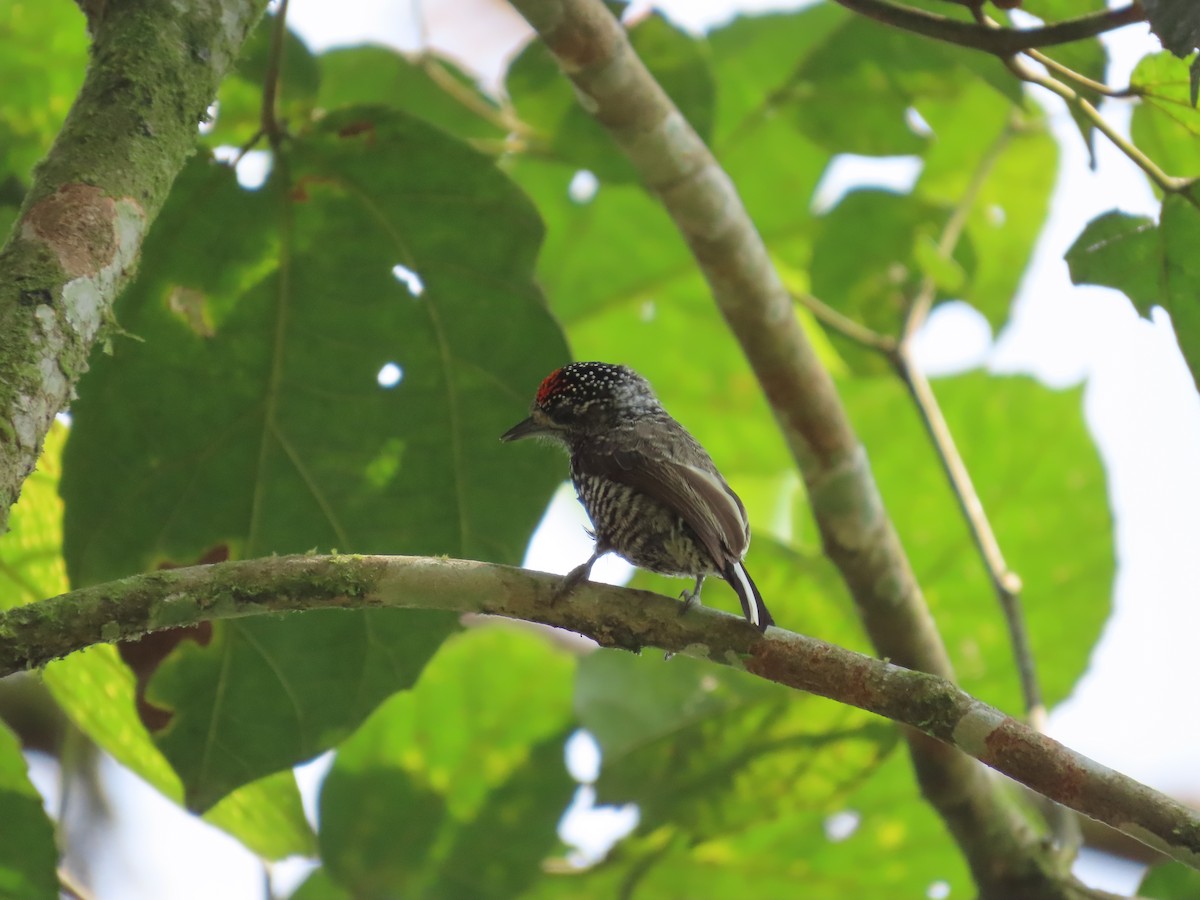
(543, 97)
(755, 59)
(899, 848)
(369, 74)
(1120, 251)
(300, 447)
(31, 562)
(96, 691)
(319, 886)
(28, 855)
(1165, 125)
(43, 54)
(1176, 23)
(705, 749)
(310, 685)
(455, 788)
(1004, 161)
(1170, 881)
(1153, 266)
(1180, 227)
(1042, 485)
(873, 281)
(853, 92)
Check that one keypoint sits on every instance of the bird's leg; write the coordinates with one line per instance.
(690, 598)
(578, 574)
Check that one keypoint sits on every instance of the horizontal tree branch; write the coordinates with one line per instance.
(32, 635)
(154, 70)
(1000, 41)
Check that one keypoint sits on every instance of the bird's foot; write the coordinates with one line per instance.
(690, 597)
(570, 582)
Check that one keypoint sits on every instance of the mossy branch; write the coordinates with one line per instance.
(34, 634)
(154, 71)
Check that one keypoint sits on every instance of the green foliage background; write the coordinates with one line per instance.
(242, 417)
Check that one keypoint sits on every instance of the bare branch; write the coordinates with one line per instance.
(1000, 41)
(34, 634)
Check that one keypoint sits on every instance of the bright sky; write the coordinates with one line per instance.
(1134, 710)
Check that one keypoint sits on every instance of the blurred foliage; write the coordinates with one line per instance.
(27, 850)
(415, 227)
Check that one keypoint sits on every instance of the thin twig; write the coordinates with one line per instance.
(457, 91)
(1168, 184)
(270, 124)
(70, 887)
(918, 310)
(1006, 583)
(847, 327)
(1079, 78)
(1000, 41)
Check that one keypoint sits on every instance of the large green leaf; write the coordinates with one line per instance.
(96, 690)
(705, 750)
(1004, 160)
(455, 788)
(28, 855)
(282, 695)
(287, 294)
(881, 839)
(874, 280)
(853, 92)
(1042, 485)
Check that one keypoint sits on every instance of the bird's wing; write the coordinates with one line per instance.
(701, 498)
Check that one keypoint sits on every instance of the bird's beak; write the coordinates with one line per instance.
(527, 428)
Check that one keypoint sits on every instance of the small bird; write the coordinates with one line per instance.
(653, 494)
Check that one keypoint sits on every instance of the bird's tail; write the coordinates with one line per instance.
(752, 602)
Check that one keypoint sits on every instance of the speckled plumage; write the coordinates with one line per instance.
(654, 495)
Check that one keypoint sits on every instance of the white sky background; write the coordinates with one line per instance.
(1135, 708)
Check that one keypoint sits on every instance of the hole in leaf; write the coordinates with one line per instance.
(209, 122)
(252, 169)
(939, 890)
(848, 171)
(390, 375)
(583, 757)
(583, 187)
(916, 122)
(409, 279)
(841, 825)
